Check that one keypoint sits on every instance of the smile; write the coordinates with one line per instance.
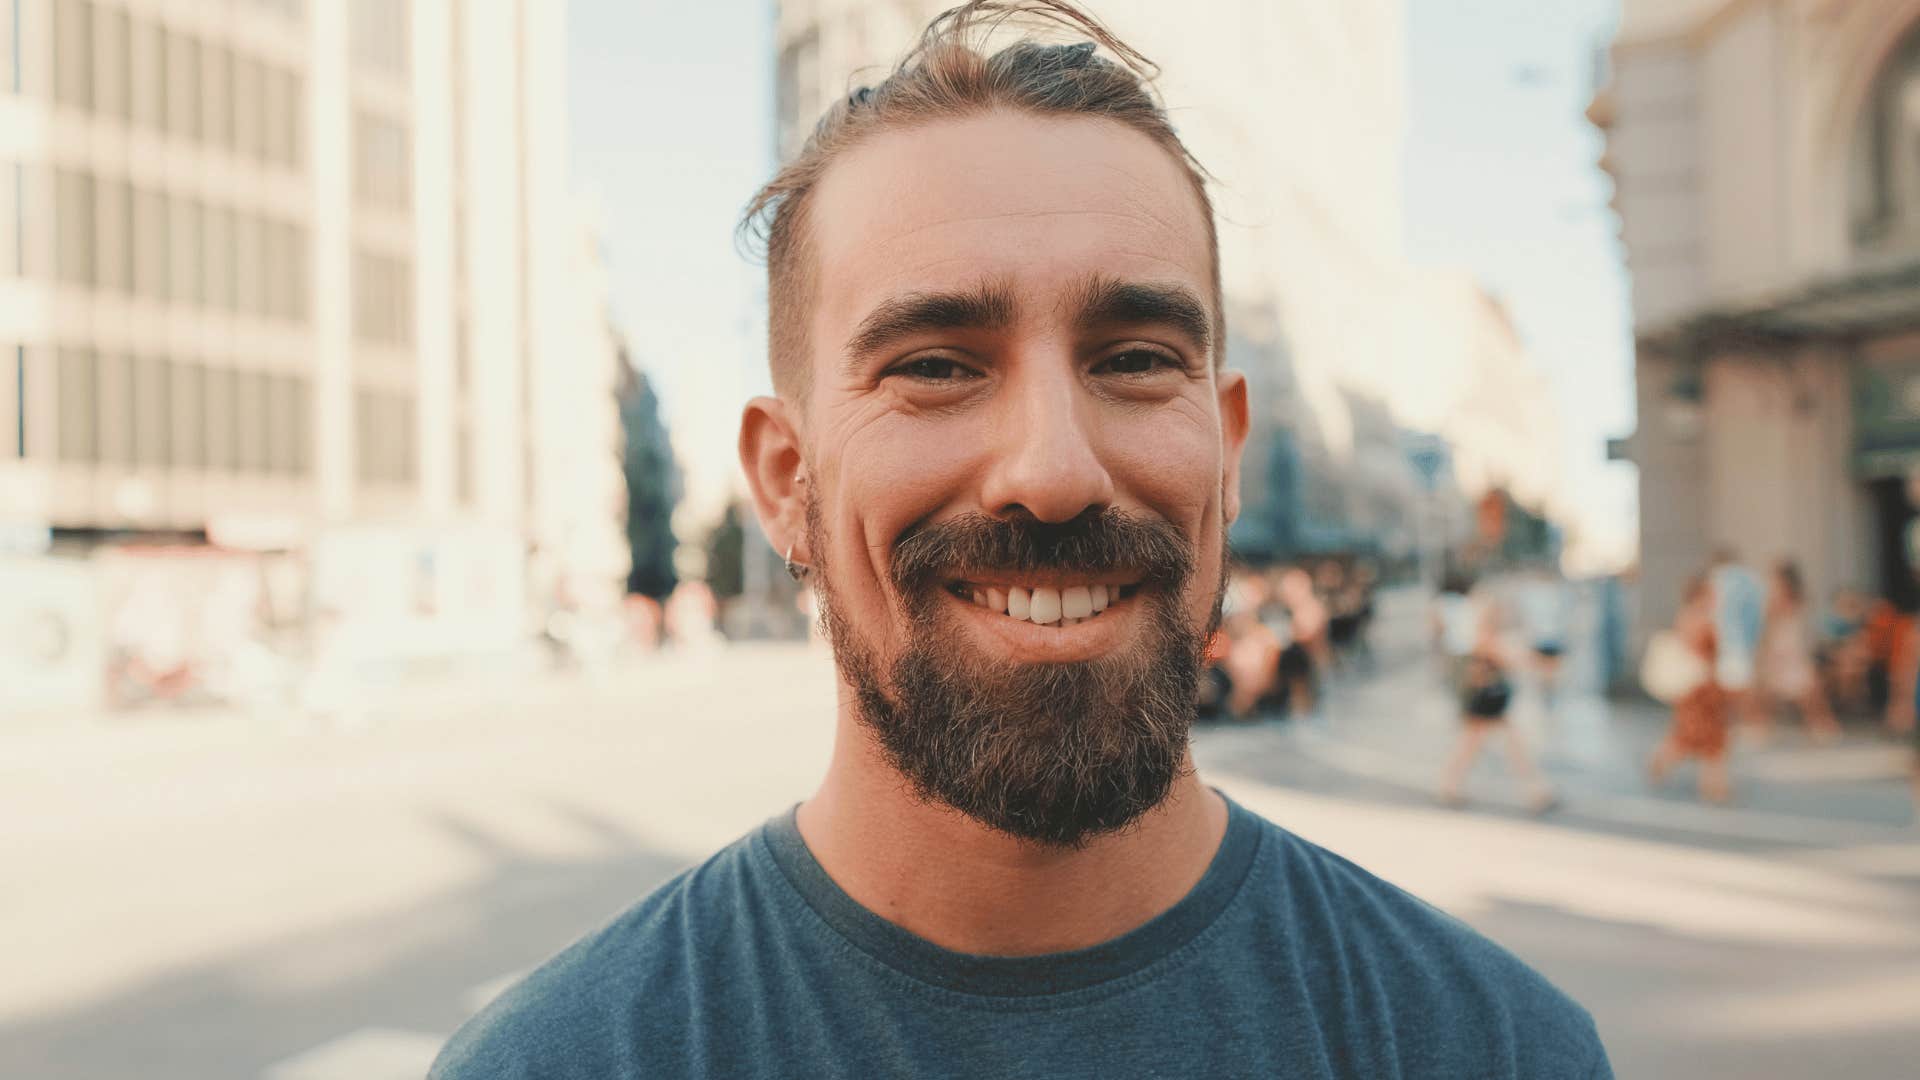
(1044, 605)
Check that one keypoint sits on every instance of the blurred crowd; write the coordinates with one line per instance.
(1283, 629)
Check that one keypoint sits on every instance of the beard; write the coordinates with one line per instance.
(1054, 753)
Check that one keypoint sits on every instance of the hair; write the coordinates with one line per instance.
(946, 76)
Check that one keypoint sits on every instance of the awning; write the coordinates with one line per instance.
(1879, 301)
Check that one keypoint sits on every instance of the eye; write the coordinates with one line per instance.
(932, 369)
(1139, 361)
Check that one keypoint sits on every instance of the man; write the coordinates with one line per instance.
(1005, 456)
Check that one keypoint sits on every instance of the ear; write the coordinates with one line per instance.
(1233, 436)
(770, 456)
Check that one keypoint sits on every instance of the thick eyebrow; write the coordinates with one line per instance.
(1103, 300)
(989, 306)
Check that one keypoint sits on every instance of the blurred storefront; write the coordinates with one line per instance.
(1767, 162)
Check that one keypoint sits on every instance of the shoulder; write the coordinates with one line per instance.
(603, 1006)
(1406, 956)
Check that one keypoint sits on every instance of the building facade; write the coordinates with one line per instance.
(303, 275)
(1298, 110)
(1766, 156)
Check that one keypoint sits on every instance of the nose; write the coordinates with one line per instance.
(1045, 460)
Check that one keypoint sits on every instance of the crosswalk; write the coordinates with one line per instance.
(382, 1053)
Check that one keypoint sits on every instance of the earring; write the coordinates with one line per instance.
(795, 570)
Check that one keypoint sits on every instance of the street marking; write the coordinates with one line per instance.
(366, 1054)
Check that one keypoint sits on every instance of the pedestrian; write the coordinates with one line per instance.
(1739, 615)
(1546, 615)
(1699, 725)
(1787, 670)
(1004, 453)
(1306, 652)
(1471, 633)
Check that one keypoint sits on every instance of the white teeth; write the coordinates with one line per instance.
(1044, 606)
(1098, 596)
(1019, 603)
(997, 600)
(1076, 602)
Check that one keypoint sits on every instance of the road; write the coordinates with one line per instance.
(241, 896)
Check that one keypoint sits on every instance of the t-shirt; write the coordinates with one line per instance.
(1284, 961)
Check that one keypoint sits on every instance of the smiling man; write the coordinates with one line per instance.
(1005, 454)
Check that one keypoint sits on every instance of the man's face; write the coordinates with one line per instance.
(1022, 461)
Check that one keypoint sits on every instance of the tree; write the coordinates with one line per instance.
(653, 486)
(726, 546)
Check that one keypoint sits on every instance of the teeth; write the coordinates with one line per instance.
(1019, 603)
(997, 600)
(1044, 606)
(980, 598)
(1098, 596)
(1076, 602)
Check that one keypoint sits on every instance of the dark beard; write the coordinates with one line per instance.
(1052, 753)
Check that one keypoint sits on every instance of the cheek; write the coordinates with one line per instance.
(892, 472)
(1169, 460)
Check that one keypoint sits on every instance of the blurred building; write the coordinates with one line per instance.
(1767, 162)
(305, 276)
(1298, 109)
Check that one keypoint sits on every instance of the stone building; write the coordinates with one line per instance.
(1767, 161)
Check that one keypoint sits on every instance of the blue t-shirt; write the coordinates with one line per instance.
(1285, 960)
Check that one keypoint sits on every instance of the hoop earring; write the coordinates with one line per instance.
(795, 570)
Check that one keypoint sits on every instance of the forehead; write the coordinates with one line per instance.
(1036, 201)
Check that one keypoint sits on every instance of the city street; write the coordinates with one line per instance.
(220, 895)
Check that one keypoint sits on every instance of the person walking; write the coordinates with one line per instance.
(1787, 670)
(1699, 725)
(1470, 635)
(1739, 616)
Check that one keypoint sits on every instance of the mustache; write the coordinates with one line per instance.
(1097, 541)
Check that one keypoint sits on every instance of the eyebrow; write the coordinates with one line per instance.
(988, 306)
(1099, 300)
(1103, 300)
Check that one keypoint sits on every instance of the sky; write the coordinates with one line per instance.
(672, 130)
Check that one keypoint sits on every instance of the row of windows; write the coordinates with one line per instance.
(139, 72)
(162, 412)
(120, 237)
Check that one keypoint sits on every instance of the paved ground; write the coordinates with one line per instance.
(230, 896)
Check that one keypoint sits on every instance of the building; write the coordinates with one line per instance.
(1766, 156)
(1298, 110)
(304, 275)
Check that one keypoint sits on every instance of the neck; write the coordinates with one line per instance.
(965, 887)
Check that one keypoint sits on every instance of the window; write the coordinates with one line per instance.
(153, 411)
(250, 420)
(187, 449)
(73, 53)
(217, 104)
(302, 427)
(381, 169)
(113, 235)
(186, 282)
(76, 386)
(183, 85)
(281, 104)
(384, 423)
(382, 299)
(1886, 162)
(115, 395)
(73, 226)
(282, 429)
(297, 273)
(150, 255)
(379, 36)
(110, 67)
(249, 109)
(250, 270)
(147, 71)
(217, 419)
(217, 259)
(20, 401)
